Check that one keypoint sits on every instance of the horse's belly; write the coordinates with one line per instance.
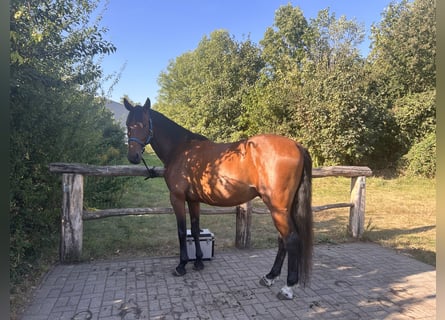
(224, 191)
(221, 175)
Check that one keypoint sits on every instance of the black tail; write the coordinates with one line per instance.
(302, 213)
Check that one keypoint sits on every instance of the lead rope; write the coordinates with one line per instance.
(151, 171)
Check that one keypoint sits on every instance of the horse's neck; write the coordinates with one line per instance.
(163, 149)
(168, 137)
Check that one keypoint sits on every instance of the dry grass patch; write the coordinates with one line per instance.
(401, 213)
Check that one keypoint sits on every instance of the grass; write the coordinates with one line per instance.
(400, 214)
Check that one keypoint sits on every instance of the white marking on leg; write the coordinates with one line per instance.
(267, 282)
(286, 293)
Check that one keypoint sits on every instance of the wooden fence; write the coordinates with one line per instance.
(72, 215)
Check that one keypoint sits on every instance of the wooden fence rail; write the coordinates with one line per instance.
(72, 215)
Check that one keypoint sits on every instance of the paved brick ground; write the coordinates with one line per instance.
(350, 281)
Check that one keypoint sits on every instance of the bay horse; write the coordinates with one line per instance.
(197, 170)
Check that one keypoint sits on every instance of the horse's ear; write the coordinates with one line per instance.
(127, 105)
(147, 104)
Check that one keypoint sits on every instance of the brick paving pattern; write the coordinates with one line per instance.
(349, 281)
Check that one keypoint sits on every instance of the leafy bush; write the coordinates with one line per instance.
(415, 114)
(421, 158)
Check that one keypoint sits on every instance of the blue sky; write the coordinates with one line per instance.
(150, 33)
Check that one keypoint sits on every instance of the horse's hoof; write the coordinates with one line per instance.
(283, 296)
(198, 265)
(286, 293)
(266, 282)
(179, 271)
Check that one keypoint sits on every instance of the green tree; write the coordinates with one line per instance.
(338, 123)
(403, 74)
(54, 115)
(313, 89)
(341, 125)
(416, 116)
(307, 80)
(269, 106)
(332, 40)
(403, 51)
(284, 44)
(203, 89)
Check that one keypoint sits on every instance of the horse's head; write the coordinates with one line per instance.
(139, 130)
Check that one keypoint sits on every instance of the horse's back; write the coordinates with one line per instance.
(247, 159)
(276, 144)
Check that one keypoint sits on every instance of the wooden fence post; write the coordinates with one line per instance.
(357, 211)
(72, 224)
(243, 223)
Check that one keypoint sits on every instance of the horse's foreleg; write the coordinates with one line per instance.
(275, 272)
(194, 218)
(179, 208)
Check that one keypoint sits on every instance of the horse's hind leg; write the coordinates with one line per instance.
(289, 244)
(293, 248)
(194, 218)
(268, 279)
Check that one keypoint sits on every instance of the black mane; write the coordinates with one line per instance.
(175, 131)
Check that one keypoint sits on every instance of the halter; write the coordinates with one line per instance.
(149, 137)
(151, 171)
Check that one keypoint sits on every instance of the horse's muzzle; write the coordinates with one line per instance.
(134, 158)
